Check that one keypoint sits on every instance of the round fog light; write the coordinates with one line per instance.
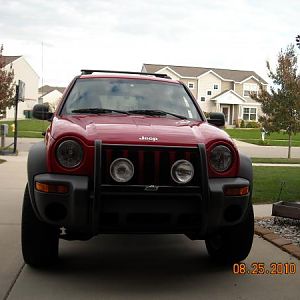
(182, 171)
(121, 170)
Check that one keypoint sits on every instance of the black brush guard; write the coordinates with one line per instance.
(149, 205)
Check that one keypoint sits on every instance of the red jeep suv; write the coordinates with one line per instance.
(130, 152)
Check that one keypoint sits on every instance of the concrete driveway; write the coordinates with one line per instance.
(128, 266)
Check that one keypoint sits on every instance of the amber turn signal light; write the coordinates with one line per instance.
(236, 191)
(51, 188)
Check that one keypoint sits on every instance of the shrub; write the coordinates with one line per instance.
(242, 124)
(252, 125)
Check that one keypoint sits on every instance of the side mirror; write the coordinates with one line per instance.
(217, 119)
(41, 112)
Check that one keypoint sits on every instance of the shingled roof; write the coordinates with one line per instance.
(9, 59)
(46, 89)
(184, 71)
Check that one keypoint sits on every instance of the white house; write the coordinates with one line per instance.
(23, 71)
(51, 95)
(219, 90)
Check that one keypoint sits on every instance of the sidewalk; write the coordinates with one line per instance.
(266, 151)
(275, 165)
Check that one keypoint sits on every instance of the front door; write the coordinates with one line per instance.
(226, 112)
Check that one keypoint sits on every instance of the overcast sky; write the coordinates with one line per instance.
(122, 35)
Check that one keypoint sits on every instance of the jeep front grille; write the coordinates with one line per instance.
(152, 164)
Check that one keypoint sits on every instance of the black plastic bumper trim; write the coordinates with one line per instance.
(95, 207)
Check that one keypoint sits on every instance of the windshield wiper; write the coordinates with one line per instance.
(99, 111)
(154, 112)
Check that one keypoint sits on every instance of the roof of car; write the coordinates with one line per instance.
(135, 77)
(126, 75)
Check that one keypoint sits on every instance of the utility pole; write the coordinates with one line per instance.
(20, 96)
(16, 119)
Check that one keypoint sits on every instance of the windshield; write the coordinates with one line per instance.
(128, 95)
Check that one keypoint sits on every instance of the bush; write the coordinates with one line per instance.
(242, 124)
(252, 125)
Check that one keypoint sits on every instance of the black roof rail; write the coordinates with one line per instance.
(88, 72)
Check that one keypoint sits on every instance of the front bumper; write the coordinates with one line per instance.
(138, 209)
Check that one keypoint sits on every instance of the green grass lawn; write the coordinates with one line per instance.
(253, 136)
(28, 128)
(276, 160)
(268, 180)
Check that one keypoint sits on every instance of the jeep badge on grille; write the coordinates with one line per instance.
(151, 188)
(148, 138)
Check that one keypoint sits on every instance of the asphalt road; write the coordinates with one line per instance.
(128, 266)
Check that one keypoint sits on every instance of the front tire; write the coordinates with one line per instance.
(39, 240)
(233, 244)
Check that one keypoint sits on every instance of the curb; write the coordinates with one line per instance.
(274, 238)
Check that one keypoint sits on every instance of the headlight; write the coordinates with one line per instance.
(69, 154)
(220, 158)
(121, 170)
(182, 171)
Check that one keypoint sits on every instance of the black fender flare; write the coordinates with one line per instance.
(36, 164)
(246, 170)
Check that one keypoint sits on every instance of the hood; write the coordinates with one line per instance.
(136, 129)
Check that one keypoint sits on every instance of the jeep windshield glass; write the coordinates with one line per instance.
(135, 96)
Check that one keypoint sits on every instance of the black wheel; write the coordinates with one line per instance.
(233, 244)
(39, 240)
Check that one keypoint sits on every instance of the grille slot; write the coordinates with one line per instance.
(152, 164)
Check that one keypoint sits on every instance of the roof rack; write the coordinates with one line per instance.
(88, 72)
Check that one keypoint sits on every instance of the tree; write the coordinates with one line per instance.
(7, 88)
(281, 107)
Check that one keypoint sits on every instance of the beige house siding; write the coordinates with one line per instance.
(194, 91)
(23, 71)
(251, 80)
(208, 106)
(206, 83)
(52, 98)
(239, 87)
(227, 85)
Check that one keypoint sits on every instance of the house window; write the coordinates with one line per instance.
(250, 88)
(216, 86)
(191, 85)
(202, 98)
(249, 114)
(209, 93)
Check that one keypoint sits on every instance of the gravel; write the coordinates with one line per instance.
(285, 227)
